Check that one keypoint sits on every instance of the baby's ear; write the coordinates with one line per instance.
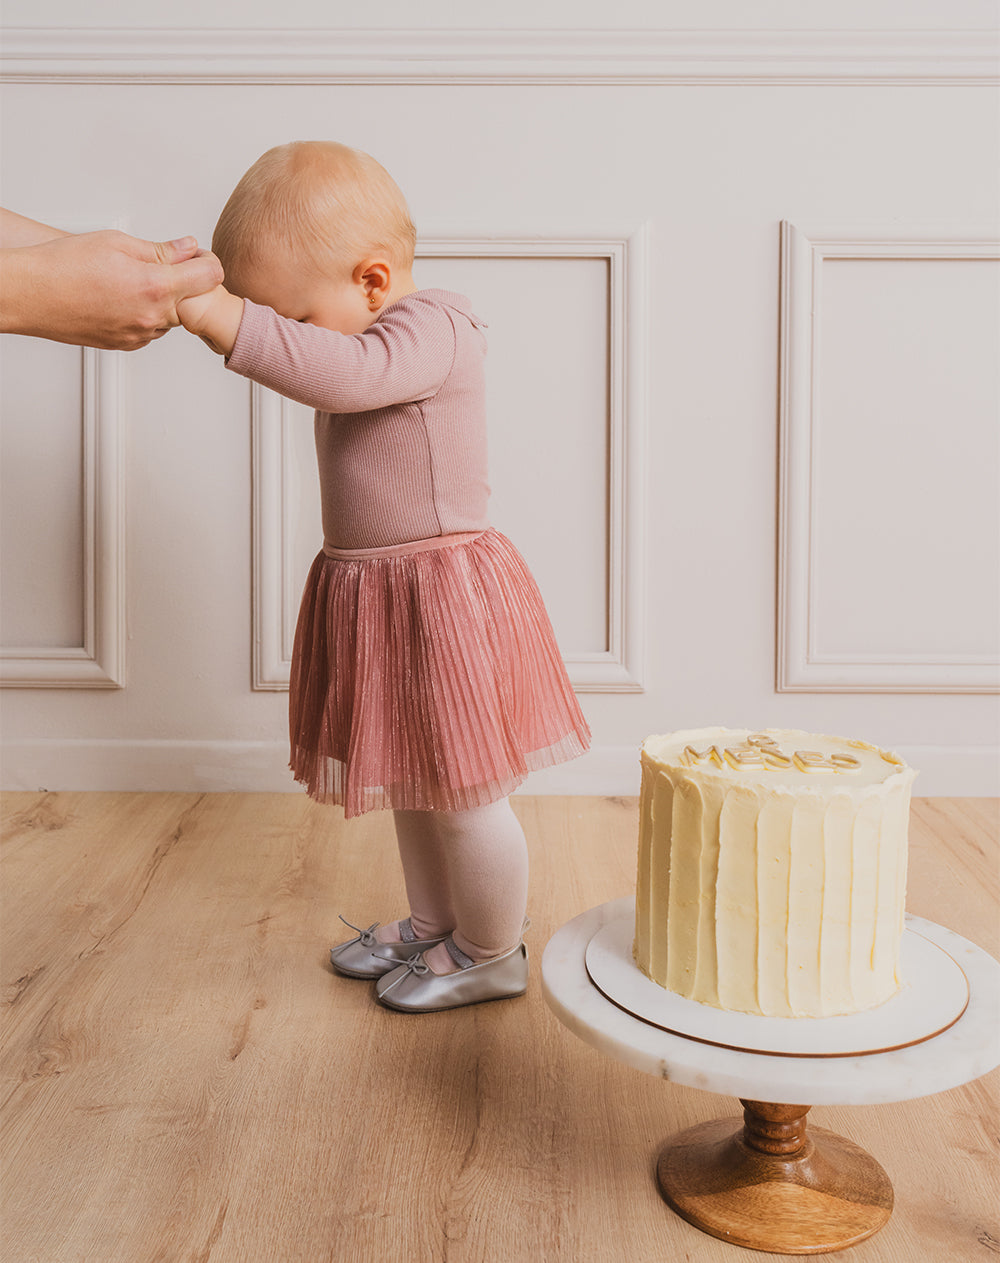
(374, 273)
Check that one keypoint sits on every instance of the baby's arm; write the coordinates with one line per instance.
(215, 317)
(404, 357)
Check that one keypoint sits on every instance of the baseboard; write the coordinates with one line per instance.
(161, 766)
(246, 767)
(262, 766)
(954, 771)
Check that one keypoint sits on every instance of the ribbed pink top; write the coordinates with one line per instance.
(400, 415)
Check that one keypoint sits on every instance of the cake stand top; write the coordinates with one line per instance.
(968, 1049)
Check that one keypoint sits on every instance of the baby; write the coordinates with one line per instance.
(425, 675)
(316, 231)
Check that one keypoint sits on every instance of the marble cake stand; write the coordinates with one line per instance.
(773, 1185)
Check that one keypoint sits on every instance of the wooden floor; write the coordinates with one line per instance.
(184, 1078)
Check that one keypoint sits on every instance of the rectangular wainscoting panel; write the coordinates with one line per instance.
(61, 517)
(890, 449)
(564, 416)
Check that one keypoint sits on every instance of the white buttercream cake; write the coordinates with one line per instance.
(772, 870)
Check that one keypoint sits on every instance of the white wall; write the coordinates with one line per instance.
(740, 271)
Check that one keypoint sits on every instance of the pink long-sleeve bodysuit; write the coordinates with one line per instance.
(400, 415)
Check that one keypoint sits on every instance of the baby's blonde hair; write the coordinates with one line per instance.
(328, 204)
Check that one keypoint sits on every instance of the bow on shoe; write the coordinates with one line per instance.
(365, 937)
(415, 965)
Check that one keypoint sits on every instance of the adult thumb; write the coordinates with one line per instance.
(196, 275)
(175, 251)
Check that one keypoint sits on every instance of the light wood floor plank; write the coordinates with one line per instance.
(183, 1077)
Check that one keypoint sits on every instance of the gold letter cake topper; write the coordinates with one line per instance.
(761, 750)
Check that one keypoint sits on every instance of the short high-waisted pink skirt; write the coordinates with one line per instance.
(427, 677)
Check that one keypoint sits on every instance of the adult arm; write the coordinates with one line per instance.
(17, 230)
(103, 289)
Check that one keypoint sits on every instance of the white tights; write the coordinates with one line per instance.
(466, 872)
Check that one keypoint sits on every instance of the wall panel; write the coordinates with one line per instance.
(566, 427)
(890, 557)
(62, 601)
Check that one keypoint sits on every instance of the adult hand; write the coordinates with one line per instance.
(103, 289)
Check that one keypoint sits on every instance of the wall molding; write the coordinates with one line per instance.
(100, 661)
(619, 668)
(800, 668)
(262, 767)
(635, 57)
(270, 540)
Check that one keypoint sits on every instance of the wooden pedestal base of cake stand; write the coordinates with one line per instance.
(774, 1185)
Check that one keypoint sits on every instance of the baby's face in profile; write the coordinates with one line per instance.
(340, 304)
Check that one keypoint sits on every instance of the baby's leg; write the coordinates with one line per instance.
(487, 864)
(425, 872)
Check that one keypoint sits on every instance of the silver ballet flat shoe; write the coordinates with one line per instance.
(415, 988)
(365, 957)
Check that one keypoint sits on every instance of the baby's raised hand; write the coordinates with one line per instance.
(214, 316)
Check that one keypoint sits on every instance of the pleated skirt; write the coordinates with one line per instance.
(427, 677)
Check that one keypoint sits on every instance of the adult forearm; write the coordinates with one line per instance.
(18, 274)
(17, 230)
(16, 284)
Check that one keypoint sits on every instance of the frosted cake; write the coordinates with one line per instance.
(772, 870)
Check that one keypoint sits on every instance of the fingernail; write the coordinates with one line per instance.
(185, 243)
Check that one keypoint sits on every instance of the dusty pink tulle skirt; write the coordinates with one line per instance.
(427, 678)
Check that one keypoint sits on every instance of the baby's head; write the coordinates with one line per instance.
(316, 211)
